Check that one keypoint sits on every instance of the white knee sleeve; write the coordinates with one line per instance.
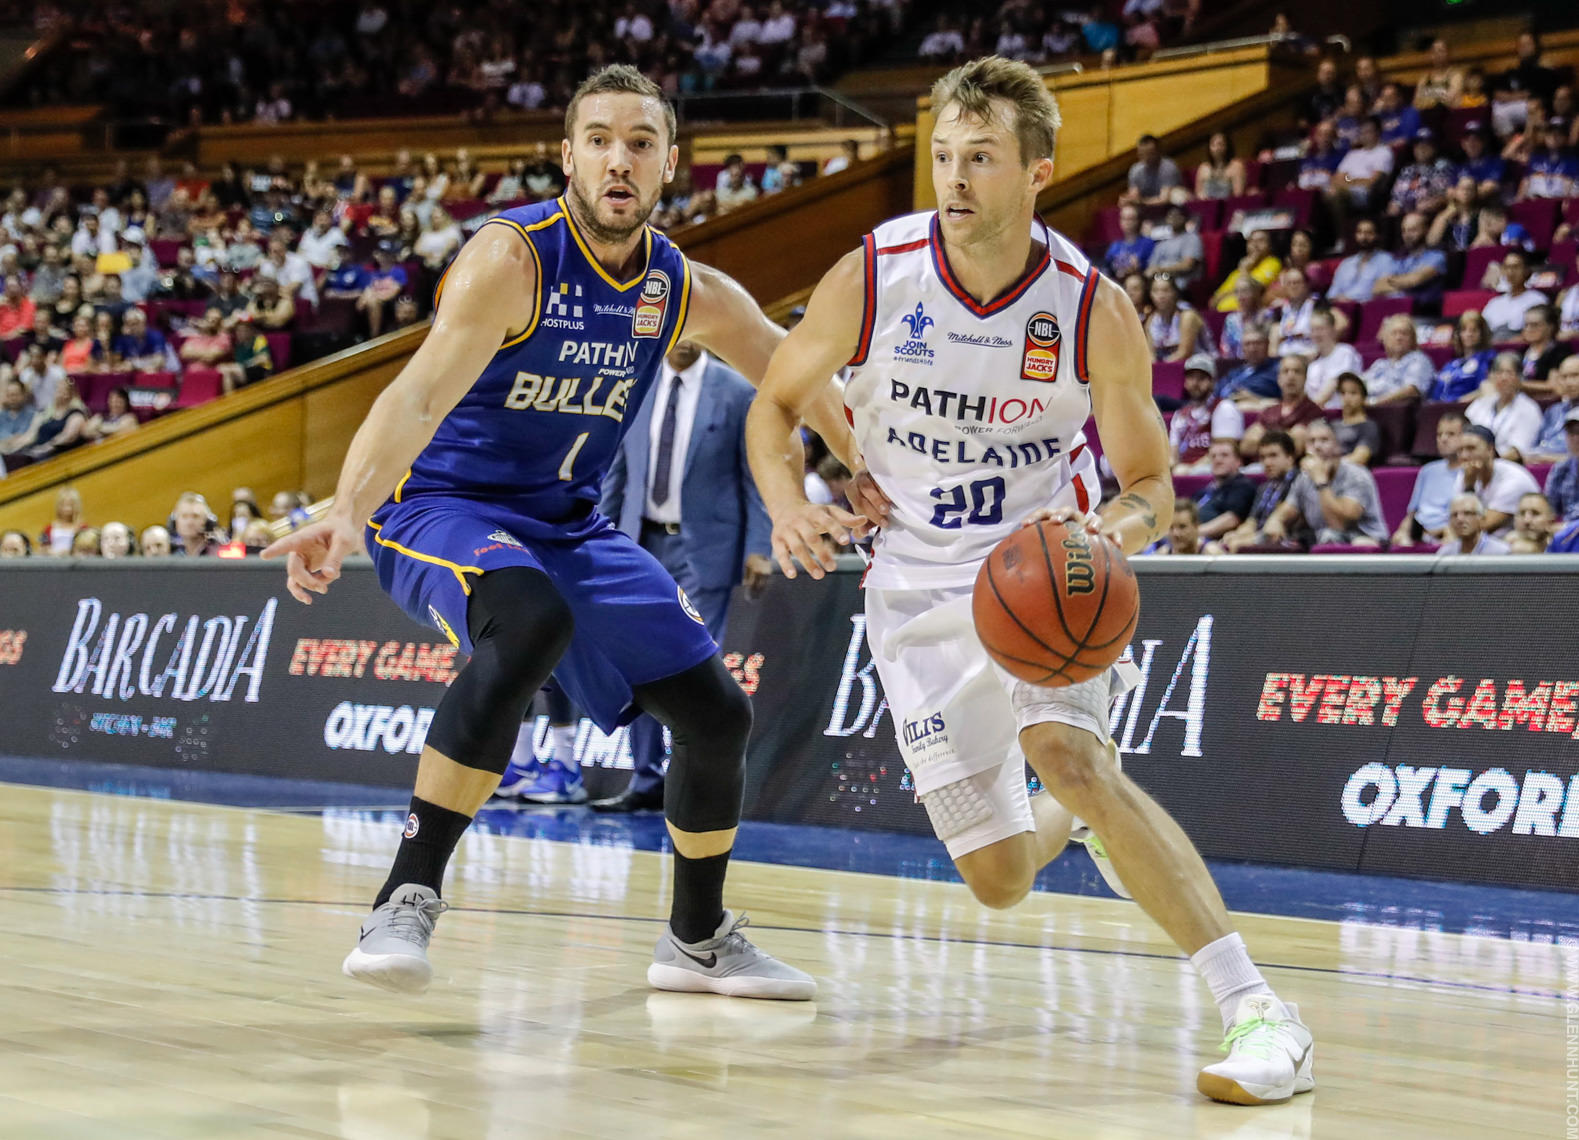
(956, 808)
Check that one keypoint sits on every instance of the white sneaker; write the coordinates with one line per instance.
(1083, 835)
(1270, 1054)
(728, 964)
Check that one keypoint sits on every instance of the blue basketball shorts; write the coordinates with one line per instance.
(634, 625)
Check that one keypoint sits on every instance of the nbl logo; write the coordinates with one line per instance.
(1042, 342)
(651, 306)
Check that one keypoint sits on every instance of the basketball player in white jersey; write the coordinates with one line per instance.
(979, 341)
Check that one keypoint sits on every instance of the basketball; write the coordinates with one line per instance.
(1054, 605)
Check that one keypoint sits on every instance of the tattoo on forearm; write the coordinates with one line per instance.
(1142, 507)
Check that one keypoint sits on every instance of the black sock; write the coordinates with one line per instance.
(430, 838)
(698, 896)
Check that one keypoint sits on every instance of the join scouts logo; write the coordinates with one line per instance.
(1042, 341)
(915, 350)
(647, 320)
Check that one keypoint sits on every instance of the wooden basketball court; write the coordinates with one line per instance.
(172, 970)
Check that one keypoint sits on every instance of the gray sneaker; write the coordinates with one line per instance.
(392, 952)
(727, 963)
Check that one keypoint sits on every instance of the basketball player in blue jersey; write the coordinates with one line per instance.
(474, 484)
(986, 269)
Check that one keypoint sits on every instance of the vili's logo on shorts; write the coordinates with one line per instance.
(1042, 342)
(690, 610)
(505, 537)
(915, 731)
(411, 826)
(650, 307)
(443, 626)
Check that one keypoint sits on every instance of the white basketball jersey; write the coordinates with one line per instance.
(969, 416)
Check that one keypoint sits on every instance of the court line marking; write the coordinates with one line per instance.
(908, 936)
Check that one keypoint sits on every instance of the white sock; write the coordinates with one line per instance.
(1229, 972)
(523, 753)
(564, 738)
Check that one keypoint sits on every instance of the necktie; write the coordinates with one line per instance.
(660, 471)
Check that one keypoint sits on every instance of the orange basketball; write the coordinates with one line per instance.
(1055, 606)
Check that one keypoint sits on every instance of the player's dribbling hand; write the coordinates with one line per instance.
(1069, 516)
(867, 498)
(313, 555)
(807, 533)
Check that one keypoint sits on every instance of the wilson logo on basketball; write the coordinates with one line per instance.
(1080, 575)
(647, 320)
(1042, 342)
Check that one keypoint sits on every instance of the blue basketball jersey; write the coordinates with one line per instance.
(543, 422)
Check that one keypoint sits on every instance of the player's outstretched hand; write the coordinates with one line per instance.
(867, 498)
(313, 555)
(1072, 517)
(807, 534)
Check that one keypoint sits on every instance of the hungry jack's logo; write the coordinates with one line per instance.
(1042, 342)
(647, 320)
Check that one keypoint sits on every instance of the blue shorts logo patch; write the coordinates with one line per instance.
(690, 610)
(505, 537)
(443, 626)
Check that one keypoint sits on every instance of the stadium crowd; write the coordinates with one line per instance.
(1365, 336)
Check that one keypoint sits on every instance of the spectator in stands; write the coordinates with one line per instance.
(1361, 172)
(17, 413)
(291, 271)
(155, 542)
(86, 543)
(56, 538)
(1562, 482)
(318, 244)
(1320, 163)
(1399, 121)
(1552, 444)
(197, 533)
(1456, 224)
(1138, 290)
(406, 312)
(1480, 164)
(1417, 270)
(1460, 379)
(1542, 351)
(544, 178)
(1131, 252)
(1403, 372)
(182, 282)
(269, 308)
(1175, 330)
(1422, 186)
(1498, 482)
(141, 275)
(347, 279)
(1258, 262)
(1225, 502)
(1222, 175)
(1338, 501)
(16, 309)
(1532, 526)
(1291, 318)
(1253, 384)
(1569, 316)
(1553, 168)
(849, 154)
(1202, 417)
(780, 174)
(1249, 310)
(1277, 454)
(41, 333)
(1153, 178)
(1496, 230)
(89, 240)
(1291, 413)
(49, 279)
(229, 299)
(409, 233)
(1441, 86)
(388, 282)
(1359, 439)
(57, 428)
(1184, 533)
(1523, 145)
(1368, 78)
(1466, 526)
(1301, 256)
(943, 43)
(141, 348)
(1426, 516)
(15, 544)
(511, 186)
(1329, 359)
(1180, 255)
(105, 358)
(1326, 100)
(1505, 312)
(384, 221)
(77, 353)
(42, 374)
(440, 241)
(111, 300)
(211, 346)
(116, 540)
(117, 418)
(70, 300)
(1355, 110)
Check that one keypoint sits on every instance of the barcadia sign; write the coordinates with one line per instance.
(169, 656)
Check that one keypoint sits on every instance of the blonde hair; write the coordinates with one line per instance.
(619, 78)
(973, 86)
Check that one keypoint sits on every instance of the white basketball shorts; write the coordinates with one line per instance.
(958, 716)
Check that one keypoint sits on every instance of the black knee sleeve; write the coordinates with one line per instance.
(520, 627)
(710, 718)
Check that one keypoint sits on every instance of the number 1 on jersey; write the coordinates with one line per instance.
(986, 504)
(575, 450)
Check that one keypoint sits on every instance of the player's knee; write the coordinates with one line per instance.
(1072, 764)
(999, 875)
(520, 615)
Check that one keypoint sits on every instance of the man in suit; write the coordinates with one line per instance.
(681, 487)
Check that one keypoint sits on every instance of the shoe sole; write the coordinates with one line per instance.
(577, 797)
(397, 973)
(1229, 1091)
(677, 979)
